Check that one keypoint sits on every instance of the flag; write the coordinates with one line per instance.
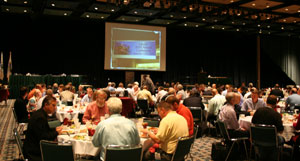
(1, 68)
(9, 67)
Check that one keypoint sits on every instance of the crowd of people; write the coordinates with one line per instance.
(172, 103)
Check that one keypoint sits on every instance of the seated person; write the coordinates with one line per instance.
(228, 116)
(32, 104)
(20, 106)
(193, 100)
(120, 89)
(67, 95)
(214, 104)
(180, 92)
(88, 97)
(292, 100)
(38, 129)
(171, 127)
(254, 102)
(160, 94)
(238, 108)
(183, 111)
(268, 116)
(96, 109)
(49, 92)
(116, 130)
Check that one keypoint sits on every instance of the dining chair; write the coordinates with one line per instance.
(53, 151)
(123, 152)
(183, 148)
(265, 141)
(19, 143)
(230, 141)
(144, 106)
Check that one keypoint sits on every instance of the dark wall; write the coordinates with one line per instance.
(55, 45)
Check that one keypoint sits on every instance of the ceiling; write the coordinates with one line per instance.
(271, 17)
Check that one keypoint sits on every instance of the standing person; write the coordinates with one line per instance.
(38, 129)
(116, 130)
(171, 127)
(20, 106)
(147, 81)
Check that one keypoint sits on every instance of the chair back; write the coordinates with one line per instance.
(123, 152)
(183, 147)
(152, 122)
(54, 124)
(196, 128)
(264, 135)
(197, 113)
(142, 104)
(223, 130)
(53, 151)
(15, 115)
(19, 142)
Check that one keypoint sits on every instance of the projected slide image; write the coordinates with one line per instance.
(134, 47)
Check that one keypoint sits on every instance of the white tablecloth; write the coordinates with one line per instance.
(287, 132)
(86, 147)
(62, 112)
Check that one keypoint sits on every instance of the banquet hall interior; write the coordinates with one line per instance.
(247, 45)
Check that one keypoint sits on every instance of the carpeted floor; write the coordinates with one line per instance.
(9, 151)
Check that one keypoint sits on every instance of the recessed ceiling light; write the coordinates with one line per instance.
(184, 17)
(52, 4)
(269, 32)
(135, 12)
(258, 25)
(213, 27)
(268, 26)
(232, 22)
(185, 24)
(203, 19)
(25, 11)
(260, 31)
(238, 14)
(65, 14)
(268, 18)
(168, 23)
(136, 20)
(244, 23)
(87, 16)
(25, 2)
(102, 17)
(253, 4)
(215, 20)
(7, 9)
(223, 28)
(112, 10)
(286, 9)
(282, 28)
(237, 30)
(96, 8)
(171, 16)
(197, 25)
(5, 0)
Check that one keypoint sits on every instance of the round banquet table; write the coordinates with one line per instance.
(245, 123)
(66, 112)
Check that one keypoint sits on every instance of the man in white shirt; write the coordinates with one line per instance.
(89, 96)
(160, 94)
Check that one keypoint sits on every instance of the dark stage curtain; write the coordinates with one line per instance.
(18, 81)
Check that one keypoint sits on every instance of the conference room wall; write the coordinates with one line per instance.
(55, 45)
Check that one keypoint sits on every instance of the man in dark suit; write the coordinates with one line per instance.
(277, 92)
(194, 100)
(20, 106)
(38, 129)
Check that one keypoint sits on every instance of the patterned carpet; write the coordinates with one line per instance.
(9, 151)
